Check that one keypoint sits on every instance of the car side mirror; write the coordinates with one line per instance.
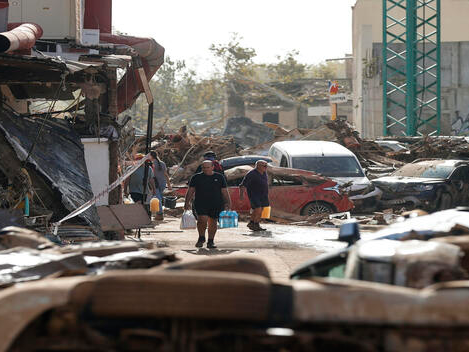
(349, 232)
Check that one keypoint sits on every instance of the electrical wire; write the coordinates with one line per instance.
(56, 97)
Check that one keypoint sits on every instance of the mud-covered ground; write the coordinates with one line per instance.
(282, 247)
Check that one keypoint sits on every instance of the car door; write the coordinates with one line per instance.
(241, 206)
(287, 195)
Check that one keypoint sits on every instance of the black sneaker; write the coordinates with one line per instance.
(250, 225)
(200, 242)
(210, 244)
(257, 227)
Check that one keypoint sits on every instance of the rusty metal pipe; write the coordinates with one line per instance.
(21, 37)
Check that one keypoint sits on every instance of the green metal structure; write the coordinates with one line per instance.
(411, 67)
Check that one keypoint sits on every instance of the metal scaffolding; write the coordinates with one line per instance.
(411, 67)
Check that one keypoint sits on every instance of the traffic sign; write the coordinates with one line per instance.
(338, 98)
(333, 87)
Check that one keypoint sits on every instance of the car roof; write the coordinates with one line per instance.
(312, 148)
(450, 162)
(248, 157)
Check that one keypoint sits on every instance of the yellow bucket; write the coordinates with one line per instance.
(155, 205)
(265, 213)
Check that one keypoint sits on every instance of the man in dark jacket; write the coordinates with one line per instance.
(257, 186)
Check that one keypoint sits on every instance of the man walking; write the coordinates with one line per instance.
(211, 196)
(216, 164)
(257, 186)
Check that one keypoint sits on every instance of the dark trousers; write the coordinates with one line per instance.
(136, 197)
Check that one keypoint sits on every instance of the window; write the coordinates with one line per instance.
(425, 169)
(270, 117)
(283, 162)
(340, 166)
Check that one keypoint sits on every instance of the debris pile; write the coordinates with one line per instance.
(26, 255)
(371, 155)
(246, 132)
(432, 147)
(184, 150)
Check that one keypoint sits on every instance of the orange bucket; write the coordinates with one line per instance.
(265, 213)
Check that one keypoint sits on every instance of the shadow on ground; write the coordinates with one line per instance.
(258, 234)
(205, 251)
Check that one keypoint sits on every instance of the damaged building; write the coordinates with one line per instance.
(303, 103)
(64, 80)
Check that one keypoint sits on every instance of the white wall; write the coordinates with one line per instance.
(56, 17)
(97, 162)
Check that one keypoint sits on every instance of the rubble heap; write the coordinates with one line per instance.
(369, 153)
(185, 150)
(433, 147)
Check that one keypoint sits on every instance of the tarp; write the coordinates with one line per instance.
(58, 155)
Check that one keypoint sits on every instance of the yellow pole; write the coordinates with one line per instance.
(333, 112)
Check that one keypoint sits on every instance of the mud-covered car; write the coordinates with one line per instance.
(290, 190)
(331, 160)
(434, 245)
(430, 184)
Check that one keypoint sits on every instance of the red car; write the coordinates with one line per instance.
(291, 191)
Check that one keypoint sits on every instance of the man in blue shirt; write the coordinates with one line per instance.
(257, 186)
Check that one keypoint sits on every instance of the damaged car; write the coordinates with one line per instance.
(292, 191)
(417, 252)
(331, 160)
(429, 184)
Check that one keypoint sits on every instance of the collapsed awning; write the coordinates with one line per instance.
(31, 77)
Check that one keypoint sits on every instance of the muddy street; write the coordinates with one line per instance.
(282, 247)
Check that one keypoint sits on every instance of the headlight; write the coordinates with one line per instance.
(421, 188)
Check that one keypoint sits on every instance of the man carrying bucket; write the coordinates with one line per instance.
(257, 186)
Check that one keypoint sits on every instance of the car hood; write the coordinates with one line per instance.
(406, 180)
(358, 183)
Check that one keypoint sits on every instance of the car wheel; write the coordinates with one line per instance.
(445, 201)
(316, 208)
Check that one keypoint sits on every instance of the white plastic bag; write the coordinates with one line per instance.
(188, 221)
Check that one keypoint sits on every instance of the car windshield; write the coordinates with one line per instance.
(340, 166)
(425, 170)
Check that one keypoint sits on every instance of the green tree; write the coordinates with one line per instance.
(287, 69)
(178, 93)
(237, 62)
(235, 58)
(326, 70)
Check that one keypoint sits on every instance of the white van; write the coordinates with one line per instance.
(329, 159)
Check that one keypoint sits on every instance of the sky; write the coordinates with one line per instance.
(318, 29)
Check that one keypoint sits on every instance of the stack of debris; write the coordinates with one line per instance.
(26, 255)
(246, 132)
(371, 155)
(432, 147)
(184, 150)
